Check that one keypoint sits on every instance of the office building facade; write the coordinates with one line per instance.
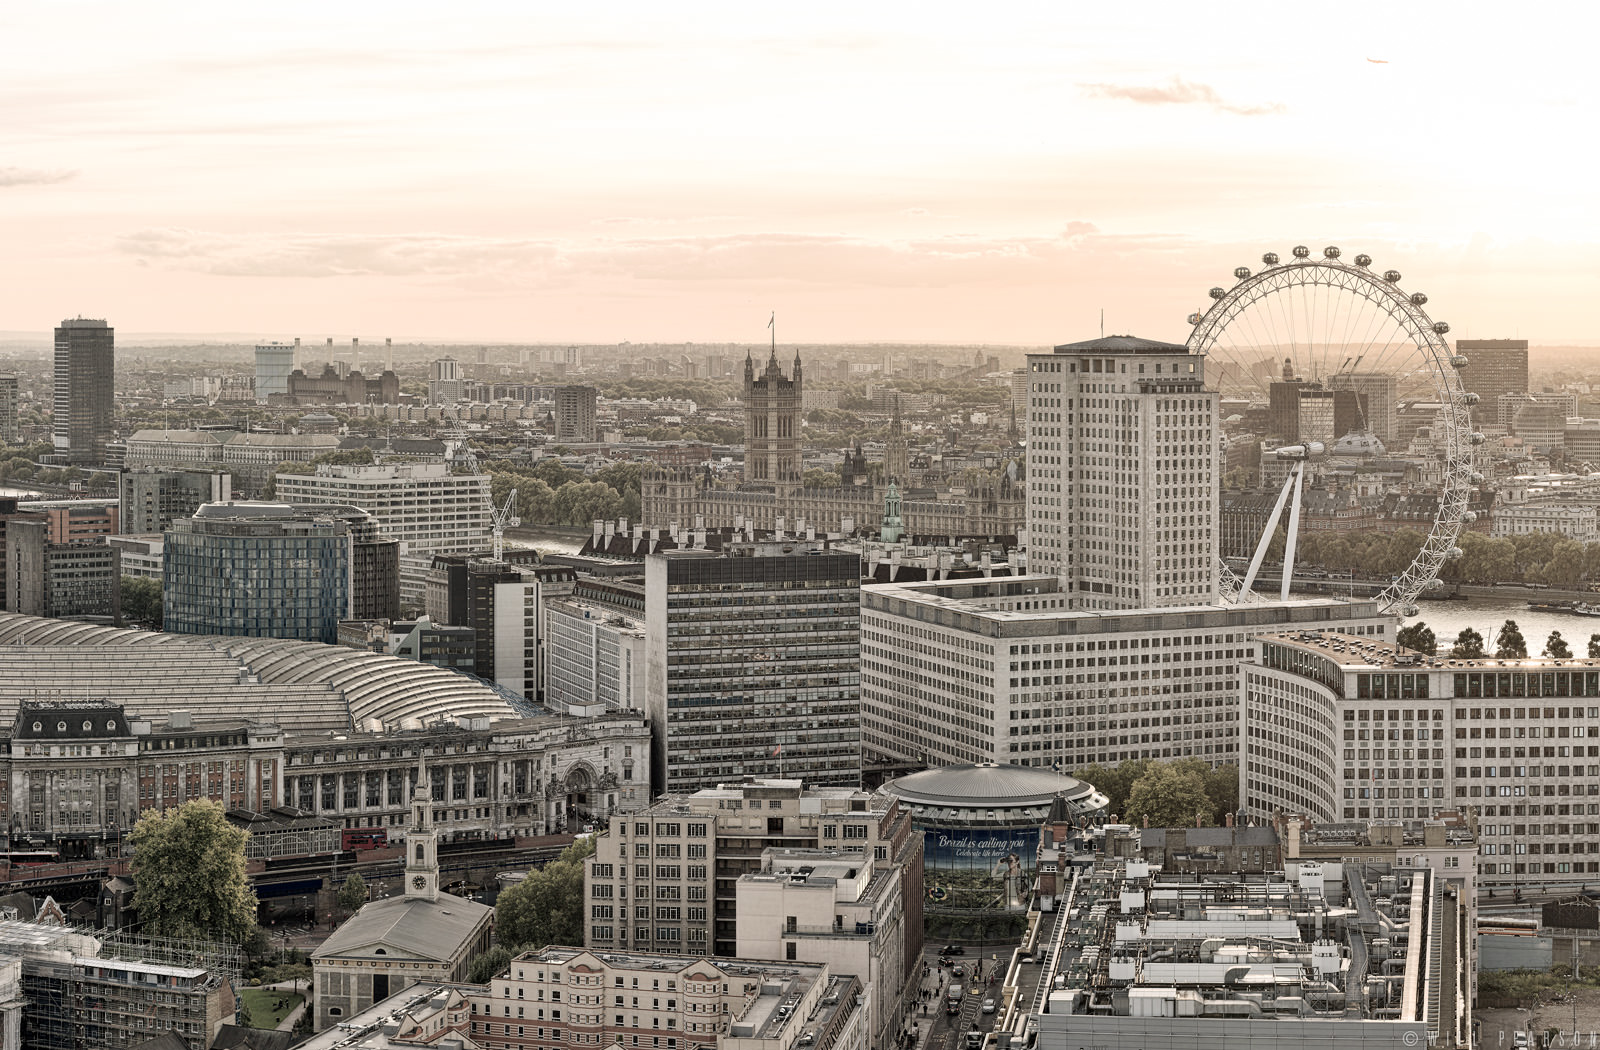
(575, 413)
(85, 390)
(1122, 474)
(1495, 367)
(62, 579)
(665, 1001)
(9, 399)
(446, 385)
(594, 657)
(1375, 393)
(504, 606)
(423, 505)
(752, 664)
(152, 499)
(839, 907)
(997, 670)
(686, 853)
(258, 570)
(1348, 729)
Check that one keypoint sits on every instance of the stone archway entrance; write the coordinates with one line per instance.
(580, 801)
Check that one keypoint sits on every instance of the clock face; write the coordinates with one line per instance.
(418, 881)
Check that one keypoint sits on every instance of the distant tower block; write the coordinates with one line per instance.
(84, 391)
(388, 354)
(355, 355)
(772, 425)
(274, 362)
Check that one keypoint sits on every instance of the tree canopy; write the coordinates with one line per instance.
(1510, 643)
(141, 602)
(353, 894)
(547, 906)
(1468, 645)
(1168, 796)
(1219, 786)
(1556, 647)
(189, 874)
(1418, 637)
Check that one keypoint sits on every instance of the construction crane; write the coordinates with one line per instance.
(503, 519)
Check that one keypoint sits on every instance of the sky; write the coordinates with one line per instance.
(601, 173)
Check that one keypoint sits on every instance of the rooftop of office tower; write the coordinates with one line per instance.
(1122, 344)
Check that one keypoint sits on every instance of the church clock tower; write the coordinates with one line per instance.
(422, 841)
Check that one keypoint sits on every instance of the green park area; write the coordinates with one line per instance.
(265, 1007)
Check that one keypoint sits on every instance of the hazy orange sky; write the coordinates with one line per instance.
(661, 172)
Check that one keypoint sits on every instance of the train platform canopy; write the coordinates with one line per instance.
(301, 687)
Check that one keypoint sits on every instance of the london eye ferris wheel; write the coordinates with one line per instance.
(1340, 360)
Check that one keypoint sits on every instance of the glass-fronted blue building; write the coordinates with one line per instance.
(260, 570)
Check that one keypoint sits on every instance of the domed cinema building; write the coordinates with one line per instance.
(978, 817)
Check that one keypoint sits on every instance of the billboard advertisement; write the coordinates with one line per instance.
(978, 849)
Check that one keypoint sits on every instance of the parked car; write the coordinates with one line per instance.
(988, 1006)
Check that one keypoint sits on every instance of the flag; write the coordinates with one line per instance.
(773, 319)
(777, 751)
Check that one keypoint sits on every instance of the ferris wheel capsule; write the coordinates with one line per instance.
(1440, 327)
(1470, 398)
(1330, 252)
(1363, 260)
(1218, 293)
(1453, 553)
(1477, 437)
(1459, 361)
(1477, 479)
(1469, 516)
(1409, 611)
(1270, 259)
(1242, 272)
(1194, 318)
(1302, 252)
(1392, 276)
(1434, 584)
(1418, 299)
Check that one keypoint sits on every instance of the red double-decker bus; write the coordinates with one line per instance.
(363, 838)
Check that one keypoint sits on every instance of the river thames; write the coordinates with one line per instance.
(1486, 615)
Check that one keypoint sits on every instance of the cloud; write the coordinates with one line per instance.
(732, 260)
(1178, 92)
(34, 176)
(335, 255)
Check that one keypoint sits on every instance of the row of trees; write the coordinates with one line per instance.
(1168, 794)
(1537, 557)
(549, 493)
(1508, 641)
(1367, 553)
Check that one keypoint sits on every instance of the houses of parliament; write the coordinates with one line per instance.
(772, 492)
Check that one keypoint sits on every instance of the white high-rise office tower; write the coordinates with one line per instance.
(1122, 474)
